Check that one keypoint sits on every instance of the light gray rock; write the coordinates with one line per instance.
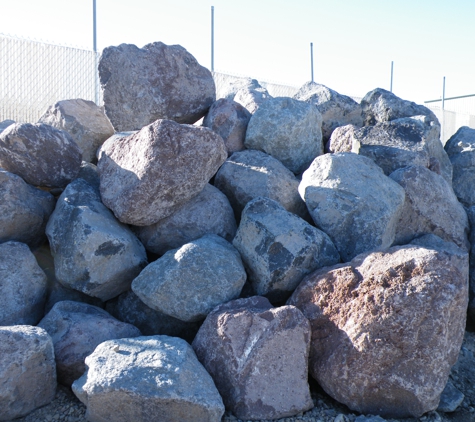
(76, 329)
(430, 207)
(386, 328)
(208, 212)
(351, 200)
(93, 252)
(343, 139)
(23, 285)
(5, 123)
(258, 357)
(249, 174)
(147, 378)
(83, 120)
(187, 283)
(278, 248)
(147, 176)
(251, 95)
(40, 154)
(27, 372)
(336, 109)
(141, 85)
(24, 210)
(228, 119)
(287, 129)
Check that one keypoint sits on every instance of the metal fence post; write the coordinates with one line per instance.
(212, 38)
(311, 59)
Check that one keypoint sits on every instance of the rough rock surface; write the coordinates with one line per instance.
(343, 140)
(93, 252)
(471, 219)
(147, 378)
(24, 210)
(187, 283)
(430, 207)
(146, 176)
(5, 123)
(386, 328)
(251, 95)
(22, 285)
(249, 174)
(287, 129)
(257, 356)
(141, 85)
(336, 109)
(76, 329)
(351, 200)
(40, 154)
(228, 119)
(27, 372)
(278, 248)
(208, 212)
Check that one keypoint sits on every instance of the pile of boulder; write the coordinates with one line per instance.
(176, 268)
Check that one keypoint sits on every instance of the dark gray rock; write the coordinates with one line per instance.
(27, 372)
(147, 378)
(22, 284)
(89, 173)
(24, 210)
(258, 357)
(93, 252)
(206, 213)
(278, 248)
(40, 154)
(287, 129)
(351, 200)
(187, 283)
(76, 329)
(141, 85)
(450, 399)
(147, 176)
(471, 219)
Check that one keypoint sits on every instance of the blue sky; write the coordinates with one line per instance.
(354, 40)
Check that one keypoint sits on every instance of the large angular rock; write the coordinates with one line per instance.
(22, 285)
(93, 252)
(24, 210)
(336, 109)
(278, 248)
(287, 129)
(461, 151)
(430, 207)
(258, 357)
(387, 327)
(27, 372)
(83, 120)
(76, 329)
(40, 154)
(249, 174)
(351, 200)
(208, 212)
(141, 85)
(147, 378)
(147, 176)
(187, 283)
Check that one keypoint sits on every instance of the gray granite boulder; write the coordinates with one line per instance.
(471, 219)
(27, 372)
(23, 285)
(249, 174)
(141, 85)
(287, 129)
(351, 200)
(76, 329)
(147, 176)
(24, 210)
(343, 139)
(208, 212)
(228, 119)
(386, 328)
(336, 109)
(258, 357)
(278, 248)
(250, 94)
(147, 378)
(83, 120)
(430, 207)
(40, 154)
(5, 123)
(93, 252)
(187, 283)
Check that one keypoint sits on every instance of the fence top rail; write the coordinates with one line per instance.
(44, 42)
(449, 98)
